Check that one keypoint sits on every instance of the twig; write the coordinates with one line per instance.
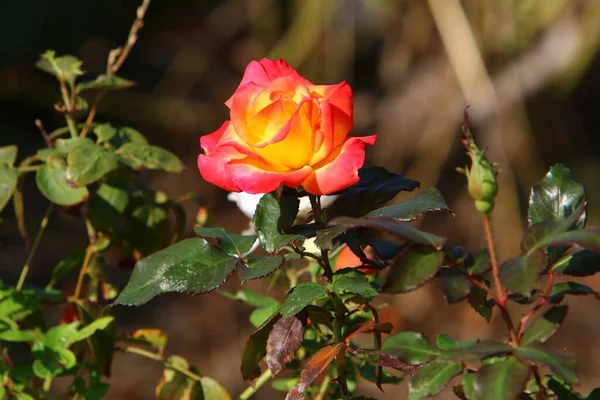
(251, 390)
(320, 218)
(158, 357)
(88, 257)
(69, 109)
(34, 247)
(116, 58)
(44, 132)
(501, 295)
(537, 307)
(323, 388)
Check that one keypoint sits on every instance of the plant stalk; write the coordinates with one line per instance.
(260, 382)
(158, 357)
(34, 247)
(88, 257)
(320, 218)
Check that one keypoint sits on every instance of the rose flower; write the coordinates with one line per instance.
(284, 129)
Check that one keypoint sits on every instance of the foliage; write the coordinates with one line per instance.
(311, 334)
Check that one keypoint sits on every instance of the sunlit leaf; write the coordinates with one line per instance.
(445, 342)
(174, 385)
(267, 221)
(555, 197)
(156, 338)
(349, 280)
(260, 266)
(301, 296)
(230, 243)
(429, 199)
(191, 265)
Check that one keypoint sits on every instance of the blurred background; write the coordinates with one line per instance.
(528, 68)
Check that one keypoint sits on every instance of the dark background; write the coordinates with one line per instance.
(529, 69)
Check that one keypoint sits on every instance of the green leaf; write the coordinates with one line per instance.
(256, 349)
(267, 221)
(301, 296)
(519, 274)
(251, 298)
(64, 146)
(555, 197)
(468, 379)
(431, 379)
(88, 330)
(392, 226)
(87, 164)
(65, 266)
(544, 327)
(143, 156)
(480, 303)
(454, 284)
(44, 154)
(350, 280)
(369, 373)
(481, 349)
(8, 155)
(427, 200)
(326, 237)
(108, 204)
(445, 342)
(65, 68)
(213, 390)
(582, 263)
(127, 135)
(479, 262)
(263, 314)
(18, 305)
(503, 380)
(562, 366)
(104, 132)
(411, 347)
(229, 242)
(559, 290)
(175, 385)
(375, 187)
(105, 82)
(261, 266)
(191, 265)
(413, 267)
(9, 177)
(586, 238)
(542, 230)
(51, 180)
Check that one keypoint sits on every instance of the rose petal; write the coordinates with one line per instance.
(339, 95)
(265, 71)
(340, 169)
(335, 126)
(250, 178)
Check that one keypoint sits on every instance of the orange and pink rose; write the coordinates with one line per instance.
(284, 129)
